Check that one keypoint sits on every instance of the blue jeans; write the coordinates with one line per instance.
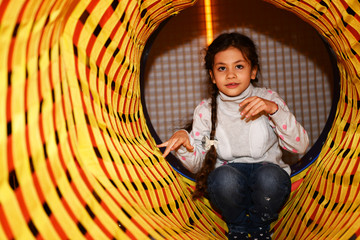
(248, 195)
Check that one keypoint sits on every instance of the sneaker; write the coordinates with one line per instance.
(261, 233)
(238, 235)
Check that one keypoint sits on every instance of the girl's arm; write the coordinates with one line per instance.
(179, 138)
(188, 147)
(292, 136)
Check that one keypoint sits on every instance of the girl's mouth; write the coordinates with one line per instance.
(232, 85)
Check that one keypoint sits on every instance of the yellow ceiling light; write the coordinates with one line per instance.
(208, 22)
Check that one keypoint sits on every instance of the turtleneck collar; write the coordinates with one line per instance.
(232, 103)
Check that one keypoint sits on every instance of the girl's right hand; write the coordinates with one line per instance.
(179, 138)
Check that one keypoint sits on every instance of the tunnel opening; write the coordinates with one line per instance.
(297, 63)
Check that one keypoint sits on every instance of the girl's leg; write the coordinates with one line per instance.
(228, 189)
(270, 186)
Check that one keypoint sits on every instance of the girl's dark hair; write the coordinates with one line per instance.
(221, 43)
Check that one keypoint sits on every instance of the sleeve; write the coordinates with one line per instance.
(201, 128)
(292, 136)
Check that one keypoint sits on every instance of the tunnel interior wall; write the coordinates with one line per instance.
(78, 160)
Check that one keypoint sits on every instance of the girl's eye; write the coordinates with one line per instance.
(221, 68)
(239, 66)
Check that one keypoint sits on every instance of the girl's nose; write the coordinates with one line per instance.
(231, 74)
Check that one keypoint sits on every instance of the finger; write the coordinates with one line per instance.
(246, 101)
(165, 154)
(168, 148)
(164, 144)
(249, 99)
(188, 146)
(167, 151)
(256, 109)
(177, 144)
(265, 106)
(246, 112)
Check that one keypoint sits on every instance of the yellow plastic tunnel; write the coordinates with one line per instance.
(78, 160)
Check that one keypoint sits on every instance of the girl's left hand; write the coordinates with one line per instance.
(253, 106)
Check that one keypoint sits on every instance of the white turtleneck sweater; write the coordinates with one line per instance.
(241, 140)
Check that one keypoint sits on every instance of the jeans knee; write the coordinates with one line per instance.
(226, 183)
(271, 186)
(271, 177)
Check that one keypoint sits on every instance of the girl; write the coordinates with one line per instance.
(234, 144)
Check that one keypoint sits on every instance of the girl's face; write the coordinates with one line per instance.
(232, 72)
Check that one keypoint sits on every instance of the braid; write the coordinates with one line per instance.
(211, 155)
